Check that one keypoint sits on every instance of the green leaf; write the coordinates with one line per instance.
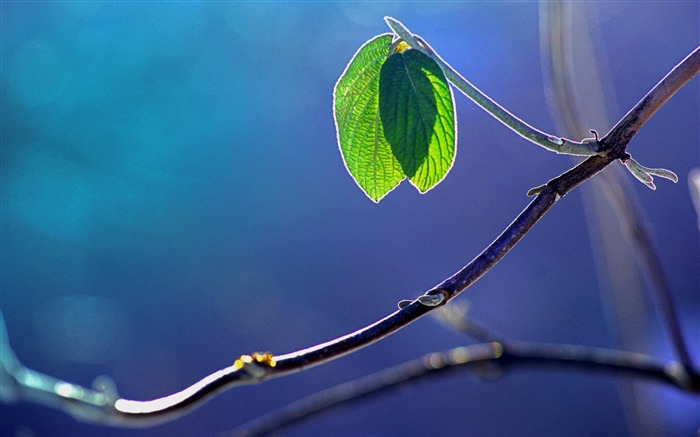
(417, 114)
(366, 153)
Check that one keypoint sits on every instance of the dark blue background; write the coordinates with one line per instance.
(173, 197)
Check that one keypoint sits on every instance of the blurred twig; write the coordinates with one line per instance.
(494, 358)
(456, 316)
(558, 48)
(618, 225)
(694, 188)
(105, 407)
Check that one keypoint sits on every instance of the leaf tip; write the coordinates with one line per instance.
(397, 27)
(390, 20)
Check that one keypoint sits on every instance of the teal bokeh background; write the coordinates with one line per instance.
(173, 196)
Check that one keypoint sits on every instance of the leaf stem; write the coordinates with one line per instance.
(104, 407)
(586, 147)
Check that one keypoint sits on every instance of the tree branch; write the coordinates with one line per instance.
(106, 407)
(500, 353)
(555, 42)
(504, 355)
(587, 147)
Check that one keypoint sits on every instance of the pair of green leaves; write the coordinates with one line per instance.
(395, 118)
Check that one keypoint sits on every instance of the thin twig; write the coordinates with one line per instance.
(623, 131)
(621, 134)
(259, 367)
(560, 43)
(550, 142)
(456, 316)
(647, 257)
(502, 356)
(631, 216)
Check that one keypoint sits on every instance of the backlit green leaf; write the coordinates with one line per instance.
(366, 153)
(417, 114)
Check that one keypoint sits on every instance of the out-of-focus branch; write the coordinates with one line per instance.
(618, 227)
(495, 358)
(492, 357)
(694, 188)
(557, 46)
(110, 409)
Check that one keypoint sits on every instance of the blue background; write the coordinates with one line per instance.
(173, 196)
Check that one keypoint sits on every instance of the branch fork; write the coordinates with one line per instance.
(586, 147)
(99, 405)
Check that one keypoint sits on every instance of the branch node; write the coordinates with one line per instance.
(105, 385)
(594, 144)
(498, 349)
(433, 298)
(684, 376)
(536, 190)
(256, 365)
(559, 141)
(489, 368)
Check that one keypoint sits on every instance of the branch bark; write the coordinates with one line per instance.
(556, 43)
(105, 407)
(501, 356)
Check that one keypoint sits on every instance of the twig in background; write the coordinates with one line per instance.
(105, 407)
(486, 359)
